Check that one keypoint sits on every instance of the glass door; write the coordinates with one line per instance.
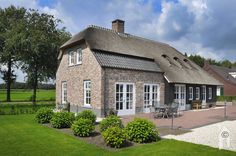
(151, 97)
(125, 98)
(180, 96)
(203, 95)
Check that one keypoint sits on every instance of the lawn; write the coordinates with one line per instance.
(25, 95)
(20, 135)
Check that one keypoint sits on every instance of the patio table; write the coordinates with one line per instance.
(161, 110)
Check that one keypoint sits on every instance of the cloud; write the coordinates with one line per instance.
(202, 27)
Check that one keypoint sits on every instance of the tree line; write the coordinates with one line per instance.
(30, 41)
(199, 60)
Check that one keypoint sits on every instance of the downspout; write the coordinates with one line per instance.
(105, 92)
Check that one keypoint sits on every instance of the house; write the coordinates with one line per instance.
(224, 75)
(103, 69)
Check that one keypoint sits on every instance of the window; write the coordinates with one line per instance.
(167, 59)
(197, 93)
(204, 93)
(178, 63)
(64, 92)
(190, 92)
(210, 92)
(79, 56)
(176, 92)
(87, 93)
(71, 58)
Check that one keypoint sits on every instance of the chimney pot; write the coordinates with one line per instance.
(118, 25)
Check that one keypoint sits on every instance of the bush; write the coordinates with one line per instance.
(141, 131)
(110, 121)
(62, 119)
(227, 98)
(87, 114)
(43, 115)
(82, 127)
(114, 136)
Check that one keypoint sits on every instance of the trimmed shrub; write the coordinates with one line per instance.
(62, 119)
(141, 131)
(82, 127)
(43, 115)
(110, 121)
(87, 114)
(114, 136)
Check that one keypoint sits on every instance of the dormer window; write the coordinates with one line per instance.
(79, 56)
(178, 61)
(167, 59)
(71, 58)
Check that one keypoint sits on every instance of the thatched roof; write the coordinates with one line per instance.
(176, 67)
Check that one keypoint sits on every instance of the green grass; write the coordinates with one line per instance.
(20, 135)
(25, 95)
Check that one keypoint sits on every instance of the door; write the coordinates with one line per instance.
(203, 95)
(125, 98)
(180, 96)
(151, 97)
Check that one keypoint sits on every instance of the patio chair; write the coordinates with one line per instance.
(175, 108)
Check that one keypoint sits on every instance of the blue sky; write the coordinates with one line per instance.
(204, 27)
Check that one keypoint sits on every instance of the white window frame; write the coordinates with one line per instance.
(197, 93)
(63, 89)
(125, 111)
(190, 93)
(70, 58)
(79, 56)
(154, 97)
(209, 93)
(87, 91)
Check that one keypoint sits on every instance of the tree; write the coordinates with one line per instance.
(197, 59)
(226, 63)
(4, 74)
(11, 25)
(41, 47)
(234, 65)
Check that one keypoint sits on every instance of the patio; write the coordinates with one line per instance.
(189, 119)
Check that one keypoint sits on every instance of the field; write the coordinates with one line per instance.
(19, 95)
(21, 135)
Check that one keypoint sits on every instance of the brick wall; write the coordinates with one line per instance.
(139, 78)
(75, 76)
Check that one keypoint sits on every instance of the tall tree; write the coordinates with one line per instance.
(11, 25)
(226, 63)
(197, 59)
(42, 42)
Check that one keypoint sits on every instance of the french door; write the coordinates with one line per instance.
(151, 96)
(180, 96)
(203, 95)
(125, 98)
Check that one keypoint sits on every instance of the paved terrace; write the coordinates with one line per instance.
(190, 119)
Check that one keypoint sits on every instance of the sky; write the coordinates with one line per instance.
(203, 27)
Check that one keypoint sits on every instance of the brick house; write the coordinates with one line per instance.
(224, 75)
(103, 69)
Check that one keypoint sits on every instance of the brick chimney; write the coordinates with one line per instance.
(118, 25)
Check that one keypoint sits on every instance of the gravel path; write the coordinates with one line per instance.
(210, 135)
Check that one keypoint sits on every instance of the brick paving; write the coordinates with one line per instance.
(190, 119)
